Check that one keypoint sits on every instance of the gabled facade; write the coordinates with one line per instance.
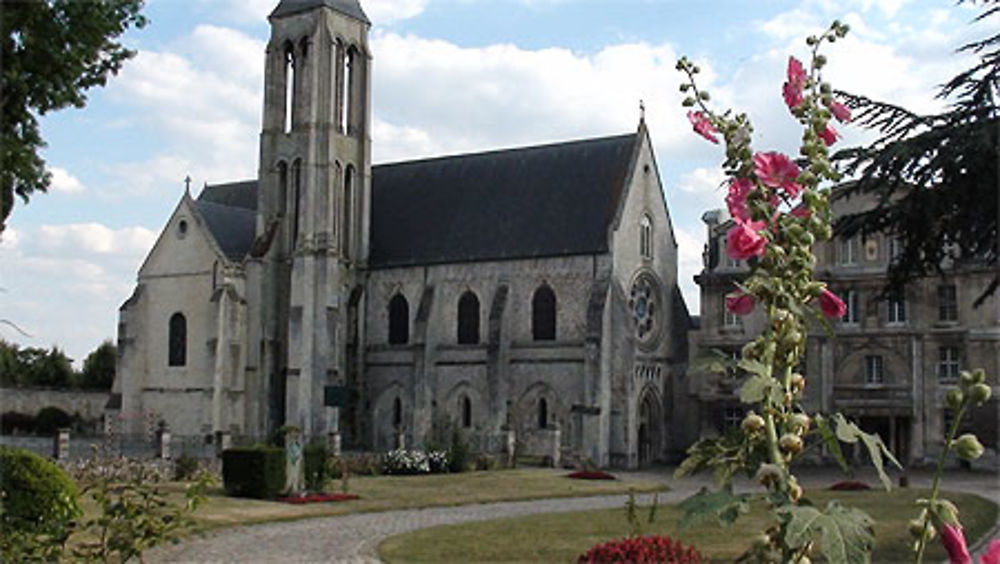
(526, 295)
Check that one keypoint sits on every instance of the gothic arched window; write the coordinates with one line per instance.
(397, 413)
(543, 413)
(297, 202)
(543, 314)
(399, 320)
(466, 412)
(290, 87)
(346, 225)
(468, 319)
(347, 92)
(177, 340)
(646, 237)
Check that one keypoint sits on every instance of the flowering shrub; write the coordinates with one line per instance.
(850, 486)
(406, 462)
(438, 461)
(317, 498)
(591, 475)
(648, 549)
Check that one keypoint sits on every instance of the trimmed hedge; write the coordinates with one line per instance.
(315, 467)
(257, 472)
(35, 492)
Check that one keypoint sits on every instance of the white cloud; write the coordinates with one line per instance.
(384, 12)
(689, 249)
(96, 238)
(63, 181)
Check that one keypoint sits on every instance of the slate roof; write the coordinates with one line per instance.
(547, 200)
(230, 211)
(349, 7)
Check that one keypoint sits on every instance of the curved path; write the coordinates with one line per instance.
(355, 537)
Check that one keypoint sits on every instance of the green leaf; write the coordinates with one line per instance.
(829, 437)
(846, 533)
(848, 432)
(754, 367)
(722, 506)
(758, 387)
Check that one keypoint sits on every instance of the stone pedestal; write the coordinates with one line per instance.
(510, 447)
(400, 440)
(294, 468)
(163, 444)
(555, 436)
(60, 446)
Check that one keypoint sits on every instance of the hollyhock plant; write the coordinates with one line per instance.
(736, 200)
(840, 111)
(992, 554)
(776, 170)
(745, 241)
(740, 303)
(831, 304)
(702, 126)
(792, 89)
(829, 135)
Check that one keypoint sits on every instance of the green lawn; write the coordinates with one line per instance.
(381, 493)
(562, 537)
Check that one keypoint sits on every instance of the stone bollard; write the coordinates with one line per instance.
(223, 442)
(556, 437)
(60, 447)
(164, 444)
(510, 447)
(333, 443)
(400, 440)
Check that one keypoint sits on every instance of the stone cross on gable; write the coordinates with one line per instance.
(642, 109)
(187, 183)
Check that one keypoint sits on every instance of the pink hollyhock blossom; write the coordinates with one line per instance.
(737, 198)
(831, 304)
(840, 111)
(953, 540)
(777, 171)
(792, 89)
(744, 240)
(992, 554)
(829, 135)
(739, 303)
(702, 126)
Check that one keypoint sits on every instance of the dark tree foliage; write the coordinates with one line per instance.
(52, 51)
(99, 367)
(935, 177)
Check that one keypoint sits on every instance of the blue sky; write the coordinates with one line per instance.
(450, 76)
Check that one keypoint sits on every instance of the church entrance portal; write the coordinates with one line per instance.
(650, 428)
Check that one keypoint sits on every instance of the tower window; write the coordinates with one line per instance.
(399, 320)
(397, 413)
(468, 319)
(347, 90)
(543, 314)
(289, 87)
(297, 202)
(346, 225)
(466, 412)
(646, 237)
(177, 340)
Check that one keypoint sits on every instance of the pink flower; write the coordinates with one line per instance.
(831, 304)
(801, 211)
(829, 135)
(840, 111)
(953, 540)
(739, 303)
(992, 554)
(702, 126)
(744, 240)
(737, 198)
(792, 89)
(777, 171)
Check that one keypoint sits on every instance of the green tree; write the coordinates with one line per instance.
(49, 368)
(53, 51)
(10, 366)
(99, 367)
(935, 176)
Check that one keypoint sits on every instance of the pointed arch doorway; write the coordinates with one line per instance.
(650, 427)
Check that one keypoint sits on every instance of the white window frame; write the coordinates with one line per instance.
(874, 370)
(853, 314)
(896, 314)
(948, 364)
(847, 251)
(947, 305)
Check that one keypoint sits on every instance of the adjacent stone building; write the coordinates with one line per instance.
(887, 364)
(527, 293)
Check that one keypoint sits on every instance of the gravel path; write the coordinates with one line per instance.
(355, 538)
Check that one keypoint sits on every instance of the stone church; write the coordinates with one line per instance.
(526, 295)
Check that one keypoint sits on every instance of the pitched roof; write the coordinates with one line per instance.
(348, 7)
(229, 215)
(546, 200)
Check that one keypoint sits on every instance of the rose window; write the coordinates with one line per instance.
(643, 304)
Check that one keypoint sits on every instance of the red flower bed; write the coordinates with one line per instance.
(591, 475)
(850, 486)
(317, 498)
(653, 548)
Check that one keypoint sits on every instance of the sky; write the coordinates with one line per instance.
(450, 76)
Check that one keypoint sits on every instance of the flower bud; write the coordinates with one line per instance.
(792, 444)
(798, 382)
(916, 527)
(752, 423)
(966, 379)
(968, 447)
(795, 492)
(953, 399)
(980, 393)
(799, 423)
(768, 474)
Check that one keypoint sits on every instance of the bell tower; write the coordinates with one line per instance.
(313, 205)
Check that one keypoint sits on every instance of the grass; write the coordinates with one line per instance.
(383, 493)
(562, 537)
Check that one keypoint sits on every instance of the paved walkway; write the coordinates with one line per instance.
(355, 538)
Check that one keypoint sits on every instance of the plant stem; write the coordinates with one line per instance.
(922, 543)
